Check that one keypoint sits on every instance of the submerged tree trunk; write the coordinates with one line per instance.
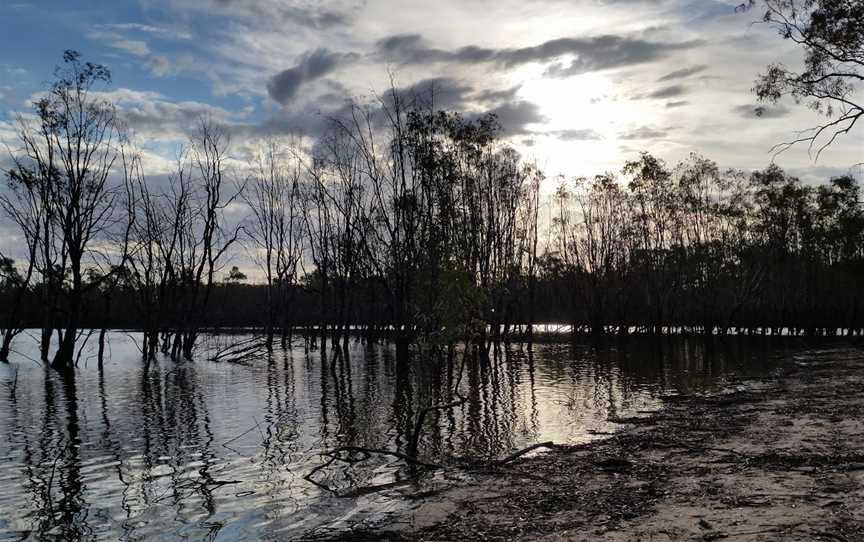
(5, 347)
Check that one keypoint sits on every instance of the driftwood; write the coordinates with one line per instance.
(421, 419)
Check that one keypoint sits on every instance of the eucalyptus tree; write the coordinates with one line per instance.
(829, 34)
(718, 278)
(379, 194)
(68, 151)
(13, 290)
(528, 245)
(593, 238)
(153, 236)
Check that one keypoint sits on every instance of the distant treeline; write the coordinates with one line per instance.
(402, 220)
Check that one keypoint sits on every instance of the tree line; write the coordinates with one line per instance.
(402, 222)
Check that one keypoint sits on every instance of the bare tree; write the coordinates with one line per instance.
(336, 226)
(276, 231)
(204, 237)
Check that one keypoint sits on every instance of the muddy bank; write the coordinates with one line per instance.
(782, 460)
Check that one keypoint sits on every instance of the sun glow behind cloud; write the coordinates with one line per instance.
(582, 120)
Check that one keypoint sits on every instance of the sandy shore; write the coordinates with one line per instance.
(783, 460)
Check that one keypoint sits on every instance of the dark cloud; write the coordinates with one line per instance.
(751, 111)
(673, 91)
(410, 49)
(307, 123)
(276, 12)
(283, 86)
(680, 103)
(643, 132)
(495, 96)
(682, 73)
(445, 93)
(400, 43)
(516, 116)
(595, 53)
(440, 93)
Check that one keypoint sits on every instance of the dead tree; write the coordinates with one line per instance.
(276, 231)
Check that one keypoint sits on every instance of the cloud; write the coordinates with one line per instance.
(683, 73)
(160, 66)
(439, 92)
(642, 132)
(589, 54)
(576, 135)
(317, 15)
(168, 33)
(446, 93)
(673, 91)
(117, 37)
(119, 41)
(159, 118)
(751, 111)
(493, 95)
(283, 86)
(516, 116)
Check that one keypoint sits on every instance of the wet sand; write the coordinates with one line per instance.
(782, 459)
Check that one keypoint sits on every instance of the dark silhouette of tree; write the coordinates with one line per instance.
(68, 153)
(829, 33)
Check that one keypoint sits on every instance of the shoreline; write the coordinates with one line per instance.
(779, 462)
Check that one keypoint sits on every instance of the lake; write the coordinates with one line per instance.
(218, 451)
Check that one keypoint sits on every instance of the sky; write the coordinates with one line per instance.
(579, 86)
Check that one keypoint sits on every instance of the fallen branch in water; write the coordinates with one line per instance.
(421, 418)
(411, 456)
(334, 456)
(242, 352)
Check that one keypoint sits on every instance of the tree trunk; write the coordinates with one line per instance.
(101, 355)
(6, 347)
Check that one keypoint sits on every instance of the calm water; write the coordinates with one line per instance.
(209, 451)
